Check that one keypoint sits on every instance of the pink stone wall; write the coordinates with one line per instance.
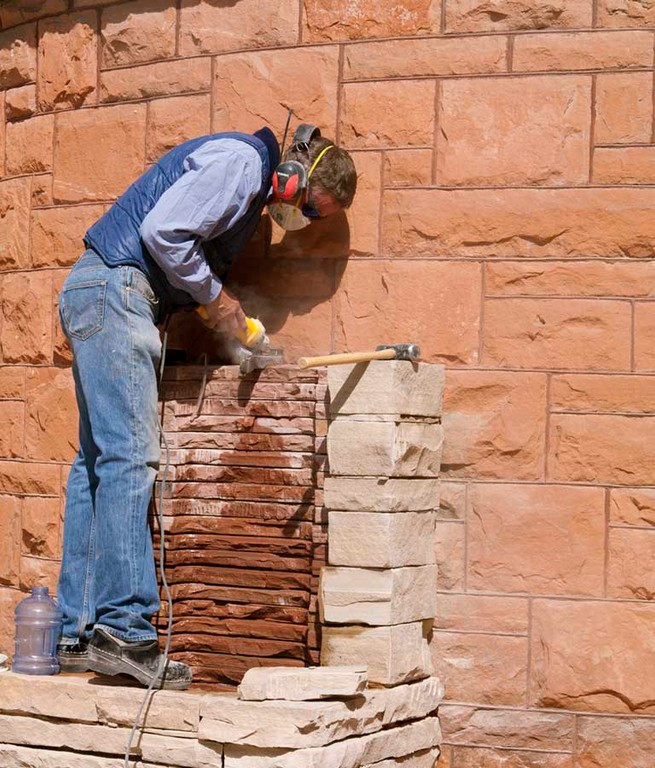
(504, 220)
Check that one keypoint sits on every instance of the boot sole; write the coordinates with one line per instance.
(73, 665)
(106, 664)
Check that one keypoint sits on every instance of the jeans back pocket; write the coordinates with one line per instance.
(82, 308)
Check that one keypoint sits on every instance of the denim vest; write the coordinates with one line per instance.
(116, 237)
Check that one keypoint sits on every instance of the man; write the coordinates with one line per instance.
(167, 243)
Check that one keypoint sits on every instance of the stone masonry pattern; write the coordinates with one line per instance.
(503, 221)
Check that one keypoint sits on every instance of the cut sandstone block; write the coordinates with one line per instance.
(52, 696)
(381, 540)
(378, 597)
(301, 724)
(351, 753)
(311, 683)
(393, 654)
(386, 386)
(388, 448)
(381, 494)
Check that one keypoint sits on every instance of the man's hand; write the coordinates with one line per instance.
(225, 315)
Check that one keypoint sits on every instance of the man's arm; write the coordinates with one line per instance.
(220, 182)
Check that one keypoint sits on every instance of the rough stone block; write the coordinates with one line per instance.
(624, 109)
(311, 683)
(499, 15)
(624, 165)
(52, 697)
(172, 121)
(393, 654)
(26, 335)
(20, 102)
(68, 61)
(56, 233)
(140, 31)
(378, 597)
(351, 753)
(15, 197)
(381, 494)
(18, 56)
(593, 655)
(297, 724)
(381, 540)
(374, 294)
(164, 78)
(387, 448)
(544, 142)
(9, 543)
(165, 709)
(29, 145)
(395, 387)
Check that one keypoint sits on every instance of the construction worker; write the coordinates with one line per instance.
(167, 243)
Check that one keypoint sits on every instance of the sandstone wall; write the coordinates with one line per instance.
(504, 221)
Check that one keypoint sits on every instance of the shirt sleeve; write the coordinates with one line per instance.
(220, 180)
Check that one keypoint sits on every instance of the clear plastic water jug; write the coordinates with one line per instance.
(38, 625)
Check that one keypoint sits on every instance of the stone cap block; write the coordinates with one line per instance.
(309, 684)
(378, 597)
(388, 448)
(381, 539)
(381, 494)
(386, 387)
(393, 655)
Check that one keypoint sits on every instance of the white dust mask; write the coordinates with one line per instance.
(288, 216)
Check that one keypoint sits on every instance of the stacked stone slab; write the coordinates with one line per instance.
(378, 593)
(282, 718)
(244, 543)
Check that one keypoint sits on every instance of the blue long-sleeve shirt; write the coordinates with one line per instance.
(220, 181)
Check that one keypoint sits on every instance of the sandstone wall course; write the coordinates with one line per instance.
(141, 30)
(485, 16)
(161, 79)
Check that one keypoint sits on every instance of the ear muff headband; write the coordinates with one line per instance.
(320, 155)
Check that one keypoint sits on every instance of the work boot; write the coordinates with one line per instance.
(73, 657)
(109, 655)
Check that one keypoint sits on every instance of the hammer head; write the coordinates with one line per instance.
(410, 352)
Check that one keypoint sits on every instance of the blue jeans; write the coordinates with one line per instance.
(107, 576)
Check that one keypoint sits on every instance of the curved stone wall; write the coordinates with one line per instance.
(503, 220)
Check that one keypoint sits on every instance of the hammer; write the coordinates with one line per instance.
(409, 352)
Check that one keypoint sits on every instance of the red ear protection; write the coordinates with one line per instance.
(290, 178)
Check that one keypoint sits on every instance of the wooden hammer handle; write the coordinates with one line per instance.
(346, 357)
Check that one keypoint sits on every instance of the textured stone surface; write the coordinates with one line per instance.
(393, 654)
(40, 527)
(630, 554)
(17, 56)
(56, 233)
(622, 13)
(297, 724)
(603, 394)
(558, 333)
(250, 89)
(381, 540)
(593, 656)
(625, 165)
(632, 506)
(487, 669)
(400, 115)
(511, 223)
(481, 757)
(424, 57)
(582, 50)
(450, 553)
(50, 433)
(532, 130)
(15, 211)
(579, 278)
(482, 613)
(164, 78)
(344, 20)
(624, 108)
(488, 15)
(207, 27)
(20, 102)
(378, 597)
(507, 728)
(381, 494)
(29, 145)
(68, 61)
(627, 742)
(351, 753)
(9, 541)
(137, 31)
(644, 335)
(387, 387)
(494, 424)
(374, 296)
(103, 134)
(26, 332)
(536, 539)
(407, 167)
(171, 121)
(601, 448)
(387, 448)
(309, 684)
